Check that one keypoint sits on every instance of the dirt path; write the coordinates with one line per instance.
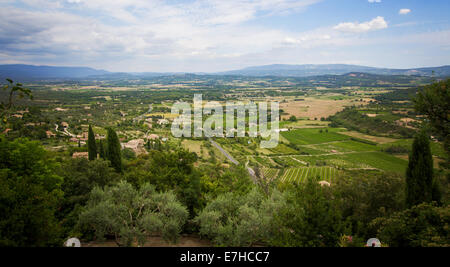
(65, 132)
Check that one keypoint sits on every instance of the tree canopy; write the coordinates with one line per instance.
(113, 152)
(30, 194)
(132, 215)
(92, 146)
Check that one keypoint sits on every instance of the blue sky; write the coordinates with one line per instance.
(218, 35)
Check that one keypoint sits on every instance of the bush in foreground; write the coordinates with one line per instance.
(132, 215)
(424, 225)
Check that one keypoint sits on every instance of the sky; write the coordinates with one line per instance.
(220, 35)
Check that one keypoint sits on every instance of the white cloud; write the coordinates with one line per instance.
(157, 35)
(374, 1)
(138, 31)
(377, 23)
(308, 40)
(404, 11)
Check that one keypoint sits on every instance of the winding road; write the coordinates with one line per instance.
(65, 131)
(230, 158)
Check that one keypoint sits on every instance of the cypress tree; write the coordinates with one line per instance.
(102, 153)
(92, 146)
(419, 174)
(113, 154)
(158, 145)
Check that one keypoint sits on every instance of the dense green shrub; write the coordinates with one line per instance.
(366, 196)
(425, 225)
(240, 220)
(132, 215)
(30, 193)
(310, 218)
(80, 177)
(169, 171)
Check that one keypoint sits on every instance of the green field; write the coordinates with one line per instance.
(283, 149)
(359, 160)
(345, 146)
(436, 148)
(314, 136)
(310, 150)
(379, 160)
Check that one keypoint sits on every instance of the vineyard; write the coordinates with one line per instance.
(270, 174)
(299, 175)
(323, 154)
(314, 136)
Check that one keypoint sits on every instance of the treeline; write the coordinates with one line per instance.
(362, 80)
(397, 95)
(352, 119)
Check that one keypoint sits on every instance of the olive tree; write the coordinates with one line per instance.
(240, 220)
(132, 215)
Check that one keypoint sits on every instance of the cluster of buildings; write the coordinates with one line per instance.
(137, 145)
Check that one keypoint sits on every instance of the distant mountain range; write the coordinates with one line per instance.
(29, 72)
(332, 69)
